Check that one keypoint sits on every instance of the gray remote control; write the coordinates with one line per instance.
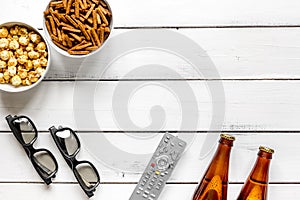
(159, 168)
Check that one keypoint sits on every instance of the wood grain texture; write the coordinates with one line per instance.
(254, 46)
(190, 169)
(117, 191)
(176, 13)
(249, 105)
(253, 53)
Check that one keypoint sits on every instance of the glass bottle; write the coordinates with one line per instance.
(213, 185)
(256, 185)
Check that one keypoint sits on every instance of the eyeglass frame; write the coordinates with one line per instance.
(29, 149)
(72, 161)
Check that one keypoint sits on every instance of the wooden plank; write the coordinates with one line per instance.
(130, 154)
(253, 53)
(250, 105)
(176, 13)
(123, 191)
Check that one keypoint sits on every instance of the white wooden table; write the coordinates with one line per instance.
(255, 48)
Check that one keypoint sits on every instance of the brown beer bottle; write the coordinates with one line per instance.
(257, 183)
(215, 180)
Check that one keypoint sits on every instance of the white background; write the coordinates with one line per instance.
(254, 45)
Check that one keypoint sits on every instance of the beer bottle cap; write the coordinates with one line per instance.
(266, 149)
(227, 137)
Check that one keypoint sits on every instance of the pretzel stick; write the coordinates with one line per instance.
(103, 9)
(81, 46)
(91, 36)
(95, 21)
(66, 25)
(102, 16)
(54, 3)
(53, 37)
(92, 48)
(78, 52)
(70, 19)
(95, 2)
(69, 4)
(90, 11)
(52, 25)
(59, 35)
(71, 29)
(76, 8)
(85, 4)
(101, 35)
(82, 28)
(103, 4)
(76, 37)
(48, 27)
(68, 41)
(60, 45)
(98, 18)
(81, 4)
(95, 36)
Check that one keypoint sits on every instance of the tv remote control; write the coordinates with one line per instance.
(159, 168)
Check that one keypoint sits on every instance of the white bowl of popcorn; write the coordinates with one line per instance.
(24, 57)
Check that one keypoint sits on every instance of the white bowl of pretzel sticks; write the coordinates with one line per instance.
(78, 28)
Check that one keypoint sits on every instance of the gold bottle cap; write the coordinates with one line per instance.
(266, 149)
(227, 137)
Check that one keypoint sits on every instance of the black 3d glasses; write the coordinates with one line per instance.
(26, 133)
(69, 145)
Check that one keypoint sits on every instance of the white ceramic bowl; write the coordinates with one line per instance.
(10, 88)
(65, 53)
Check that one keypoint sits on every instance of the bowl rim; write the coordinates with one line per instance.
(12, 89)
(65, 53)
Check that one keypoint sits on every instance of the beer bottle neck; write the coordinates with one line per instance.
(260, 171)
(220, 163)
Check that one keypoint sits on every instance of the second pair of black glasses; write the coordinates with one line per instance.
(43, 160)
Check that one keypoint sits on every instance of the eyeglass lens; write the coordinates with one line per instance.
(45, 162)
(68, 139)
(87, 174)
(26, 129)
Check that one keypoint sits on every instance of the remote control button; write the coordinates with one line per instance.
(146, 192)
(150, 198)
(166, 140)
(168, 137)
(152, 195)
(155, 176)
(157, 172)
(145, 196)
(140, 188)
(157, 187)
(162, 162)
(149, 188)
(181, 144)
(147, 177)
(152, 164)
(138, 192)
(174, 155)
(172, 144)
(143, 184)
(159, 183)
